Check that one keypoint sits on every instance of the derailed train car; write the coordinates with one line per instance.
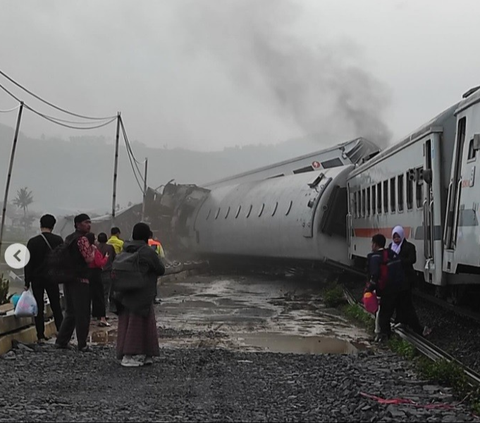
(292, 210)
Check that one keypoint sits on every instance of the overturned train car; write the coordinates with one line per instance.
(290, 211)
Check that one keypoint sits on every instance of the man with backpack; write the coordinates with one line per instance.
(386, 278)
(36, 274)
(77, 253)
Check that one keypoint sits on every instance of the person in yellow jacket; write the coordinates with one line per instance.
(157, 246)
(115, 240)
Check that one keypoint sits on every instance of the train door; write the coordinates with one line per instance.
(454, 196)
(432, 210)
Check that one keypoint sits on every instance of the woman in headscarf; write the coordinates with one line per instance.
(137, 340)
(406, 313)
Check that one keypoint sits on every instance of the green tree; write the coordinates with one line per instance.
(23, 199)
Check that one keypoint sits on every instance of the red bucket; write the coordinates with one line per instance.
(370, 301)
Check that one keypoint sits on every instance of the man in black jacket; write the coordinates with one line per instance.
(36, 274)
(77, 290)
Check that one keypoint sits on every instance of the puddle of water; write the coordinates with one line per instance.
(276, 342)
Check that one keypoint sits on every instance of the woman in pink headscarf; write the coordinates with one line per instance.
(406, 313)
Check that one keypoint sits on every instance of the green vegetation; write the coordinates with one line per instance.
(356, 313)
(333, 296)
(402, 347)
(4, 288)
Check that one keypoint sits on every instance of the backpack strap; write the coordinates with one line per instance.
(46, 240)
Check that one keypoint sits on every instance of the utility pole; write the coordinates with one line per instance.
(144, 189)
(115, 168)
(9, 175)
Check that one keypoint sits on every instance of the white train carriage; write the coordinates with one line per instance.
(462, 230)
(406, 185)
(297, 217)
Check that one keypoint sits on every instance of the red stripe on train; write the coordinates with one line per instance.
(387, 232)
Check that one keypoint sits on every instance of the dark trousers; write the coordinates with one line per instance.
(39, 287)
(401, 303)
(77, 314)
(96, 293)
(107, 285)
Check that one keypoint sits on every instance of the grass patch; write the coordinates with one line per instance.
(333, 296)
(358, 314)
(445, 373)
(402, 347)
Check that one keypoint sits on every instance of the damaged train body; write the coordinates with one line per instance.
(293, 210)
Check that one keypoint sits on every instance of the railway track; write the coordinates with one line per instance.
(423, 345)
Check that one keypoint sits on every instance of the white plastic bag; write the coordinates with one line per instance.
(26, 306)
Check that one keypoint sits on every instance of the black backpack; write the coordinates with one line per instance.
(126, 275)
(61, 266)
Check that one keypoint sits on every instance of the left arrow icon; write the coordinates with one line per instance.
(17, 256)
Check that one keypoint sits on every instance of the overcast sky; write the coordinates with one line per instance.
(206, 74)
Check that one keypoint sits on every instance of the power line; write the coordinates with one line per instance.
(131, 158)
(10, 110)
(51, 104)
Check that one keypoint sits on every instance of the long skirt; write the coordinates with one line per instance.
(137, 335)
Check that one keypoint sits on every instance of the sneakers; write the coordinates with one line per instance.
(85, 349)
(129, 361)
(148, 361)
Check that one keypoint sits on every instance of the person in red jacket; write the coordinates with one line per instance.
(96, 285)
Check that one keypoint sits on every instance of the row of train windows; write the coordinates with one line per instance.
(390, 194)
(249, 211)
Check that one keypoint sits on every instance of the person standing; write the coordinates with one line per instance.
(115, 240)
(106, 249)
(36, 274)
(406, 313)
(95, 281)
(386, 278)
(77, 292)
(137, 329)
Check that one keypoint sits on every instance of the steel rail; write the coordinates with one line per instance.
(423, 345)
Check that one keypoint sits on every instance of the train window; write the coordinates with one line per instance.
(354, 204)
(379, 198)
(228, 211)
(275, 209)
(208, 215)
(471, 150)
(385, 196)
(374, 199)
(409, 192)
(419, 188)
(363, 203)
(261, 210)
(332, 163)
(392, 195)
(303, 170)
(249, 211)
(369, 202)
(238, 211)
(400, 193)
(289, 208)
(218, 212)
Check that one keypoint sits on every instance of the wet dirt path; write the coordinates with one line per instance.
(253, 313)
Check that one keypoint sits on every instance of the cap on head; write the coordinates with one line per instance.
(80, 218)
(47, 221)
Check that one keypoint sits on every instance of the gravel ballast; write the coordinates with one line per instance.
(215, 385)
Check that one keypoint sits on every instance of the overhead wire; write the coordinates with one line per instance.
(131, 157)
(51, 104)
(10, 110)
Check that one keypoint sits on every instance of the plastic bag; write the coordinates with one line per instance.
(370, 301)
(26, 306)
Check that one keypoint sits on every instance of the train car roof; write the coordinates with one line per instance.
(471, 97)
(434, 124)
(355, 150)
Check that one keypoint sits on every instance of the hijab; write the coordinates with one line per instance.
(401, 233)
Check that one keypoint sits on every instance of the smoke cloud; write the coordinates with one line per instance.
(319, 87)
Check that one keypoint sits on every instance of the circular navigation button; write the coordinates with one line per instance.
(17, 256)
